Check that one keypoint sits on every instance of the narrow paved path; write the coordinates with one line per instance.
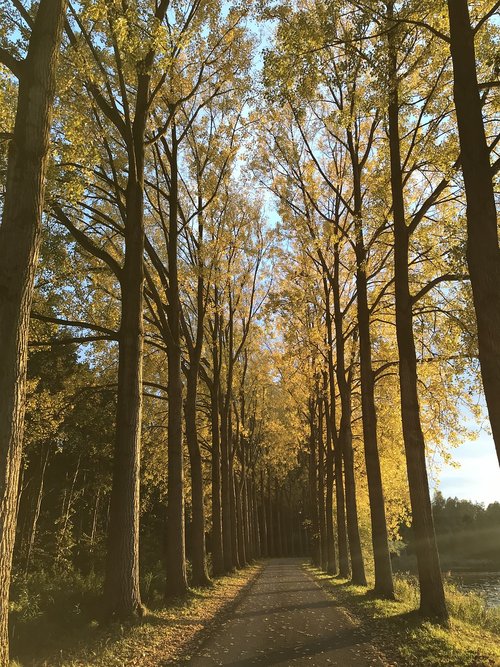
(287, 619)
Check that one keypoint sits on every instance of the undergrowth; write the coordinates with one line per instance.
(55, 622)
(406, 640)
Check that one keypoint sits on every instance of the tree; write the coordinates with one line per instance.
(432, 600)
(483, 256)
(19, 245)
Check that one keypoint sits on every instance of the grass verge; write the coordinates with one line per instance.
(165, 636)
(397, 630)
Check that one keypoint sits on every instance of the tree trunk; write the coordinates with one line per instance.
(313, 491)
(247, 508)
(344, 570)
(321, 490)
(483, 255)
(19, 246)
(357, 564)
(270, 519)
(93, 531)
(239, 488)
(255, 512)
(198, 550)
(432, 600)
(234, 521)
(226, 491)
(345, 434)
(122, 593)
(176, 549)
(278, 519)
(232, 493)
(216, 536)
(331, 562)
(38, 506)
(384, 586)
(263, 518)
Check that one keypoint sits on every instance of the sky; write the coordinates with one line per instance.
(478, 476)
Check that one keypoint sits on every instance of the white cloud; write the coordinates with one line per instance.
(478, 477)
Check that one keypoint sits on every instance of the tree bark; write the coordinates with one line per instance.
(20, 233)
(38, 506)
(239, 489)
(216, 536)
(331, 562)
(483, 254)
(121, 589)
(256, 523)
(199, 570)
(263, 518)
(313, 490)
(226, 491)
(278, 527)
(232, 504)
(345, 433)
(432, 600)
(344, 570)
(270, 519)
(176, 549)
(384, 586)
(321, 488)
(357, 564)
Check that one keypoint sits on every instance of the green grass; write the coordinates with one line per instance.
(397, 630)
(165, 635)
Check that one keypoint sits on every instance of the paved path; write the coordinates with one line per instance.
(287, 619)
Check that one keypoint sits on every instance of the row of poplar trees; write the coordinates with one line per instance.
(127, 134)
(382, 118)
(125, 143)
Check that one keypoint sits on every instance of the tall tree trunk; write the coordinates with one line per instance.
(93, 531)
(357, 564)
(345, 433)
(313, 490)
(255, 512)
(226, 491)
(432, 600)
(263, 517)
(239, 488)
(176, 548)
(344, 570)
(331, 562)
(198, 550)
(19, 246)
(38, 506)
(216, 535)
(483, 255)
(122, 593)
(384, 586)
(246, 507)
(233, 505)
(321, 489)
(270, 519)
(278, 519)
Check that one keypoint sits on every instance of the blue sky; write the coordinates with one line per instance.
(478, 475)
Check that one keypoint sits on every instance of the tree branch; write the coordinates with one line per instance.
(68, 341)
(74, 323)
(486, 17)
(85, 241)
(11, 62)
(447, 277)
